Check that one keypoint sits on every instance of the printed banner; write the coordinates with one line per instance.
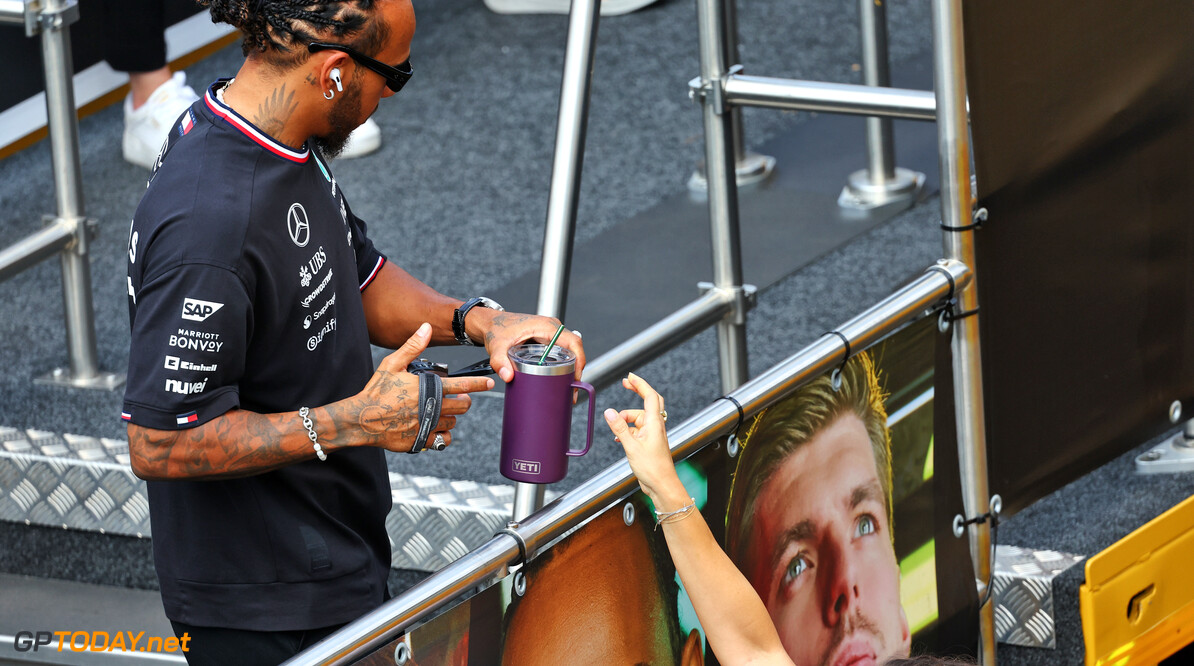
(826, 503)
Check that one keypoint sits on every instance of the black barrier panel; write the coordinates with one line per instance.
(608, 593)
(1083, 124)
(86, 37)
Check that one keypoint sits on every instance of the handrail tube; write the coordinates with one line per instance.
(35, 247)
(722, 197)
(848, 98)
(659, 337)
(564, 194)
(12, 11)
(616, 481)
(872, 17)
(953, 153)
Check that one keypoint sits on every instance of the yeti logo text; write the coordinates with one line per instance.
(525, 466)
(185, 388)
(197, 310)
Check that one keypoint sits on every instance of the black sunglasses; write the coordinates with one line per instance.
(395, 77)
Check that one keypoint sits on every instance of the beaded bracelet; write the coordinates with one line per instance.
(674, 516)
(306, 414)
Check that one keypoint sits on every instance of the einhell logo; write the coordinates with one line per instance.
(525, 466)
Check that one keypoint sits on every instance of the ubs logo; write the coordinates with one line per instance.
(297, 225)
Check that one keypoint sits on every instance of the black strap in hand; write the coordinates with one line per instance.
(431, 400)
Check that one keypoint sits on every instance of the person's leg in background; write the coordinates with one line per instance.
(135, 42)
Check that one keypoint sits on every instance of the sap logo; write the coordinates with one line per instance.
(185, 388)
(197, 310)
(525, 466)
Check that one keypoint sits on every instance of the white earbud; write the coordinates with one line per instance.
(335, 74)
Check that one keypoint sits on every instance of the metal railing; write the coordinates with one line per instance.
(69, 232)
(724, 301)
(523, 541)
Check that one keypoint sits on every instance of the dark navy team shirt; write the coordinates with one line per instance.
(245, 271)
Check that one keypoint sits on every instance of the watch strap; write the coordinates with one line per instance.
(461, 312)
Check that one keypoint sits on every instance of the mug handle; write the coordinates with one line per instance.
(587, 388)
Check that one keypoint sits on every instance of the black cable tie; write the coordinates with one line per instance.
(979, 216)
(966, 227)
(953, 285)
(741, 412)
(836, 379)
(951, 315)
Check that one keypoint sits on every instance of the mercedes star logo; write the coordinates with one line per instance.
(296, 223)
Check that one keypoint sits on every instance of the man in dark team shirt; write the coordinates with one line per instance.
(254, 410)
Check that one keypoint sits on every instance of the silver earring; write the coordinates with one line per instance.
(329, 94)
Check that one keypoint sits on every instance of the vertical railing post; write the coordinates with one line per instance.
(881, 183)
(722, 193)
(953, 145)
(54, 19)
(564, 195)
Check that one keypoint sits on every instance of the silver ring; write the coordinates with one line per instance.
(439, 444)
(663, 414)
(577, 333)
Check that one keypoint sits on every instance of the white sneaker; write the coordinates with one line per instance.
(608, 7)
(146, 128)
(363, 140)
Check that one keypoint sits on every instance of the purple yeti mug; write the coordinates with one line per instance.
(537, 418)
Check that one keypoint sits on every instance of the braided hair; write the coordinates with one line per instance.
(281, 29)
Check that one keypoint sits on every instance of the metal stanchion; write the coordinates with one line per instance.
(881, 184)
(722, 194)
(565, 188)
(69, 231)
(750, 168)
(953, 147)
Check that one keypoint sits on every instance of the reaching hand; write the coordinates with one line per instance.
(642, 434)
(388, 410)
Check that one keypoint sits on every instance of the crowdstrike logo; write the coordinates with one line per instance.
(318, 290)
(297, 225)
(197, 310)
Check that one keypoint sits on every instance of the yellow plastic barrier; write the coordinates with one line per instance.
(1138, 600)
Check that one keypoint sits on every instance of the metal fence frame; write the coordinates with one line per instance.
(69, 232)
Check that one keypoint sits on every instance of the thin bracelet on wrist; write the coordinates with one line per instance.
(311, 434)
(683, 512)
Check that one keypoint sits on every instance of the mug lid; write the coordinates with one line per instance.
(559, 361)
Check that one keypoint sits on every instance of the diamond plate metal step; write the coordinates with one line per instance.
(1024, 609)
(86, 483)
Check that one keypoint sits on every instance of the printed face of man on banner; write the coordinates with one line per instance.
(809, 521)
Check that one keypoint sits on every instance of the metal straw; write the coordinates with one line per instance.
(547, 350)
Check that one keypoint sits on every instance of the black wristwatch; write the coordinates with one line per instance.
(462, 312)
